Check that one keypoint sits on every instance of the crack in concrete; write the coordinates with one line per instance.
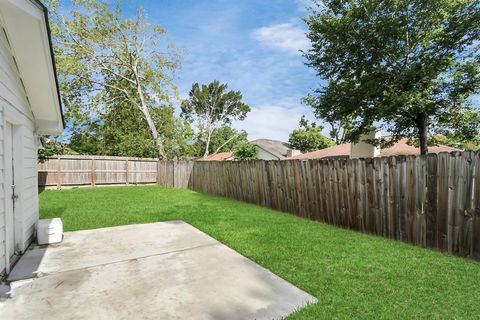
(42, 274)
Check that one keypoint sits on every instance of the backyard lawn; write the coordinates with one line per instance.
(353, 275)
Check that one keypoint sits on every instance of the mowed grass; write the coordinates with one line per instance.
(353, 275)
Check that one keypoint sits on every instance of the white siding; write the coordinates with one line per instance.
(265, 155)
(14, 107)
(3, 234)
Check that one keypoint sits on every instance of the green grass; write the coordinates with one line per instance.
(353, 275)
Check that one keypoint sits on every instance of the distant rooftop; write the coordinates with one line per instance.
(399, 148)
(221, 156)
(275, 147)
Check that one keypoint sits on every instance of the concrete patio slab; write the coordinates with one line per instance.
(87, 248)
(166, 270)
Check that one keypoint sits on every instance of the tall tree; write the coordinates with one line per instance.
(407, 66)
(104, 57)
(211, 107)
(223, 139)
(309, 137)
(122, 131)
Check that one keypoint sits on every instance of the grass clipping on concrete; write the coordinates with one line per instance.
(353, 275)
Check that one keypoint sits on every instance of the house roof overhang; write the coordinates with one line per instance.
(27, 28)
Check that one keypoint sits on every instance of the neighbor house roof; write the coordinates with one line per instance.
(399, 148)
(275, 147)
(221, 156)
(28, 32)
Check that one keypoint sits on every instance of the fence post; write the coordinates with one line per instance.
(126, 172)
(173, 173)
(93, 172)
(59, 172)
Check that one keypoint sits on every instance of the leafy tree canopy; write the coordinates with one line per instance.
(223, 139)
(309, 137)
(104, 58)
(50, 147)
(123, 132)
(211, 107)
(245, 151)
(453, 140)
(406, 66)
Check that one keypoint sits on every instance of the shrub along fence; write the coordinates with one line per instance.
(431, 201)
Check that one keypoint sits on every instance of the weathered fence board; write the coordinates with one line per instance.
(431, 201)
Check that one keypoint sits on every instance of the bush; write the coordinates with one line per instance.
(246, 151)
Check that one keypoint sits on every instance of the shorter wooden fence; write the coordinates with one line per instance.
(69, 171)
(73, 171)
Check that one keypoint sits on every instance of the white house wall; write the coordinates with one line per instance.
(265, 155)
(3, 234)
(14, 108)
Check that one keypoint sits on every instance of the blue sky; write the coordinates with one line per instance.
(251, 45)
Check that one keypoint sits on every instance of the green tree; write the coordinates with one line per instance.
(309, 137)
(406, 66)
(104, 57)
(456, 142)
(49, 148)
(458, 139)
(245, 151)
(223, 139)
(211, 107)
(123, 132)
(85, 141)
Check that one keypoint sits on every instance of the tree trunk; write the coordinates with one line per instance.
(226, 142)
(153, 130)
(207, 144)
(422, 133)
(150, 122)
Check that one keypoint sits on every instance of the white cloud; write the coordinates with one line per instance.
(274, 121)
(287, 37)
(272, 82)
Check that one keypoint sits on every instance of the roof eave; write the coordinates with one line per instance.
(27, 27)
(52, 57)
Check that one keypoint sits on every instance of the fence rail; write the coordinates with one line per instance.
(431, 201)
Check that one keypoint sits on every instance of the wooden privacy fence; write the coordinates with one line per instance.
(431, 201)
(69, 171)
(177, 174)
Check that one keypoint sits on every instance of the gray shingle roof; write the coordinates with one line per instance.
(275, 147)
